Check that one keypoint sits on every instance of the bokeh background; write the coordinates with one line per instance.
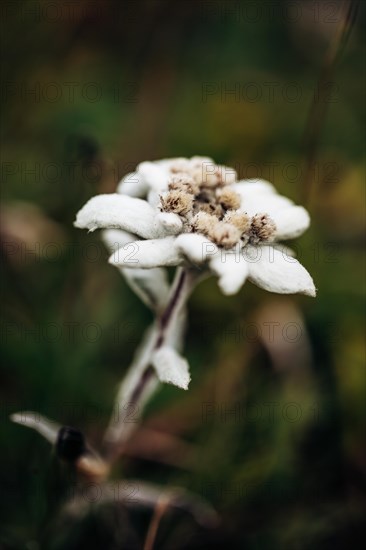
(271, 430)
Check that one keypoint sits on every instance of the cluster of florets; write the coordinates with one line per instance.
(201, 193)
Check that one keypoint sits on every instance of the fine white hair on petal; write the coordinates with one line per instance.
(196, 247)
(47, 428)
(133, 185)
(147, 254)
(115, 238)
(286, 251)
(272, 271)
(151, 285)
(231, 269)
(253, 187)
(119, 212)
(171, 222)
(269, 204)
(153, 198)
(171, 367)
(155, 175)
(201, 158)
(291, 222)
(167, 163)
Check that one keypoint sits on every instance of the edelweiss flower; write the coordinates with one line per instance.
(194, 212)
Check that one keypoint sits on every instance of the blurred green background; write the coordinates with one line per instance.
(271, 431)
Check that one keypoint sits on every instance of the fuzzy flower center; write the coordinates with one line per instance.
(201, 193)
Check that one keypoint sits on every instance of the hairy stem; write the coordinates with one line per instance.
(141, 381)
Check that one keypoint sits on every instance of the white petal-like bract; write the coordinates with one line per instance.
(291, 222)
(133, 185)
(250, 188)
(119, 212)
(197, 248)
(147, 254)
(115, 238)
(269, 204)
(155, 175)
(231, 269)
(171, 222)
(150, 285)
(272, 271)
(171, 367)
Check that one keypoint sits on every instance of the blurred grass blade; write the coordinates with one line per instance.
(316, 117)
